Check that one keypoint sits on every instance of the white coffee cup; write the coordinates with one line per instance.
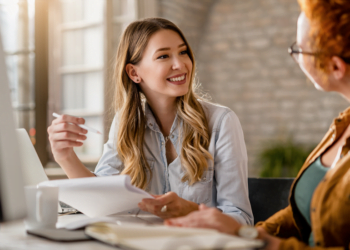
(41, 207)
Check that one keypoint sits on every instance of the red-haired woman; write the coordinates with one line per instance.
(319, 212)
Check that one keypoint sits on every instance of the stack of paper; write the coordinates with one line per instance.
(99, 196)
(162, 237)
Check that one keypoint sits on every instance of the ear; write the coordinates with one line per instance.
(337, 67)
(131, 70)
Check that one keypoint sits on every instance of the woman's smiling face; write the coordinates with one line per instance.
(165, 68)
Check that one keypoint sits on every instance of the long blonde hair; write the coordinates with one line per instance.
(129, 105)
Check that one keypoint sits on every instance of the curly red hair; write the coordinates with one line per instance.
(330, 29)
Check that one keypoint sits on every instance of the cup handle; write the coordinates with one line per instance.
(39, 195)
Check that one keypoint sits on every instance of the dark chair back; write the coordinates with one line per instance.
(268, 195)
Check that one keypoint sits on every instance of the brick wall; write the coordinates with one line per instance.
(241, 51)
(190, 15)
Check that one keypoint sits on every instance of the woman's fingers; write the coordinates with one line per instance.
(69, 119)
(67, 136)
(67, 144)
(161, 200)
(191, 220)
(154, 209)
(167, 198)
(64, 134)
(152, 202)
(157, 195)
(175, 206)
(202, 207)
(65, 128)
(208, 218)
(194, 219)
(155, 206)
(69, 127)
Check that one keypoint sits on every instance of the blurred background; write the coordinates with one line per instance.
(60, 53)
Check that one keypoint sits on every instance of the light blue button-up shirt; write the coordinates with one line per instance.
(224, 185)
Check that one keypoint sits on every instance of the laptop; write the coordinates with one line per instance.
(33, 171)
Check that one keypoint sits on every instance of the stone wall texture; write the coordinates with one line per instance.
(241, 52)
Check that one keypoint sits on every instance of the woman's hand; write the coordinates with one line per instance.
(207, 218)
(64, 134)
(175, 206)
(272, 242)
(214, 219)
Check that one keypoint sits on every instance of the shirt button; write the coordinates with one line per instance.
(172, 137)
(162, 143)
(151, 124)
(318, 243)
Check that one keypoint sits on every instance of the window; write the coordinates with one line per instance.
(18, 39)
(83, 38)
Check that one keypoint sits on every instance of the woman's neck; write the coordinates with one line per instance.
(344, 88)
(164, 111)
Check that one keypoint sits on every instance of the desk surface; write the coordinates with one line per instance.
(13, 236)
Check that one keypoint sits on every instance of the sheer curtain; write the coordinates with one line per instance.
(17, 30)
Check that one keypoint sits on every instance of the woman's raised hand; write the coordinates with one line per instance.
(64, 134)
(169, 205)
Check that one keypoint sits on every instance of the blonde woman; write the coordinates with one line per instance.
(171, 143)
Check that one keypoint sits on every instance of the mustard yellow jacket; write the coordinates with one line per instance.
(330, 204)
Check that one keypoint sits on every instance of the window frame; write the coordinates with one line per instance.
(55, 28)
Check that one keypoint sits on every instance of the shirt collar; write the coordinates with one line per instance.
(151, 122)
(341, 123)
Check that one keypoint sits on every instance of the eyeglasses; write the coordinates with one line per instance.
(295, 52)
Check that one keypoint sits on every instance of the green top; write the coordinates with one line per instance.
(305, 189)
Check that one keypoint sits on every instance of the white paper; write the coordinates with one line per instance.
(99, 196)
(163, 238)
(192, 242)
(78, 221)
